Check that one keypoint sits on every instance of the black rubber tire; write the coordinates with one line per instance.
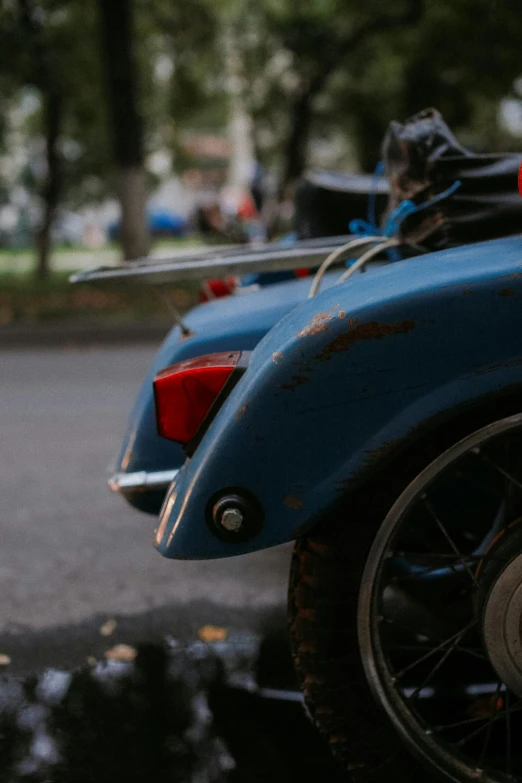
(323, 594)
(325, 580)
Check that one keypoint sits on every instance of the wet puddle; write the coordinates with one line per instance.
(221, 710)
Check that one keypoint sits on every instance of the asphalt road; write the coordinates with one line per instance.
(71, 551)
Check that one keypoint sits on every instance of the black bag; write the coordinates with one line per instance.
(423, 159)
(326, 202)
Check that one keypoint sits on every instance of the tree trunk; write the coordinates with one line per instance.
(45, 75)
(301, 117)
(116, 33)
(296, 147)
(53, 114)
(133, 198)
(370, 127)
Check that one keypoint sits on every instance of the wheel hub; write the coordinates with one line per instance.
(502, 610)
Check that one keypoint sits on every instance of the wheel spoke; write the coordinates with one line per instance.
(468, 721)
(453, 641)
(448, 538)
(437, 666)
(497, 467)
(496, 716)
(434, 563)
(414, 648)
(473, 653)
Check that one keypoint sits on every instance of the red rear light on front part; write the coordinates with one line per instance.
(215, 289)
(185, 392)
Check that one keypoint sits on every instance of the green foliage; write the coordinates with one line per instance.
(351, 66)
(458, 55)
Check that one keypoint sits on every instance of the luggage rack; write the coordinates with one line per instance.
(203, 263)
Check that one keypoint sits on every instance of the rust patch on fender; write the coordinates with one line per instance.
(318, 324)
(292, 502)
(506, 292)
(383, 451)
(276, 357)
(241, 411)
(372, 330)
(372, 458)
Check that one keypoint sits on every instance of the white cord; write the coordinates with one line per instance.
(373, 251)
(333, 257)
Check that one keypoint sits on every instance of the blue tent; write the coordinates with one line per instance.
(161, 222)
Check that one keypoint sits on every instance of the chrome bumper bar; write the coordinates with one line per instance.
(142, 481)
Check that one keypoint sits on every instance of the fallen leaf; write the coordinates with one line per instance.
(5, 660)
(212, 633)
(108, 627)
(121, 652)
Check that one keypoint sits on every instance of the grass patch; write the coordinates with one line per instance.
(64, 258)
(24, 299)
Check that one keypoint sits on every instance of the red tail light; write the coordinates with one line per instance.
(184, 393)
(215, 289)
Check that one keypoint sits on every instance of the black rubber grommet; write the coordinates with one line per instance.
(245, 502)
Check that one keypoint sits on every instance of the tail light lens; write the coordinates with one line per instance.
(184, 393)
(215, 289)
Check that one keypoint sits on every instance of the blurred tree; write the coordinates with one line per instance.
(117, 46)
(310, 42)
(462, 58)
(315, 68)
(308, 71)
(185, 42)
(46, 45)
(29, 59)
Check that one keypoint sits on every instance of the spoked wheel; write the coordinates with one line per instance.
(406, 616)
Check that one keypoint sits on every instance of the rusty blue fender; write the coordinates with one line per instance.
(226, 324)
(344, 378)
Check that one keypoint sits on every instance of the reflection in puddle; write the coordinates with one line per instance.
(224, 711)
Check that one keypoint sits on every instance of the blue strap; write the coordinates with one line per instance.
(400, 213)
(406, 208)
(362, 228)
(445, 194)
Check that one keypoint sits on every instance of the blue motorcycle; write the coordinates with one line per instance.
(375, 418)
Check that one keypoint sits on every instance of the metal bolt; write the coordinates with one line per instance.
(232, 520)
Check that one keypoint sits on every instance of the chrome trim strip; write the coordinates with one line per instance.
(268, 258)
(142, 481)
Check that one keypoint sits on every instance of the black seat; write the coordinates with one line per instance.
(326, 202)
